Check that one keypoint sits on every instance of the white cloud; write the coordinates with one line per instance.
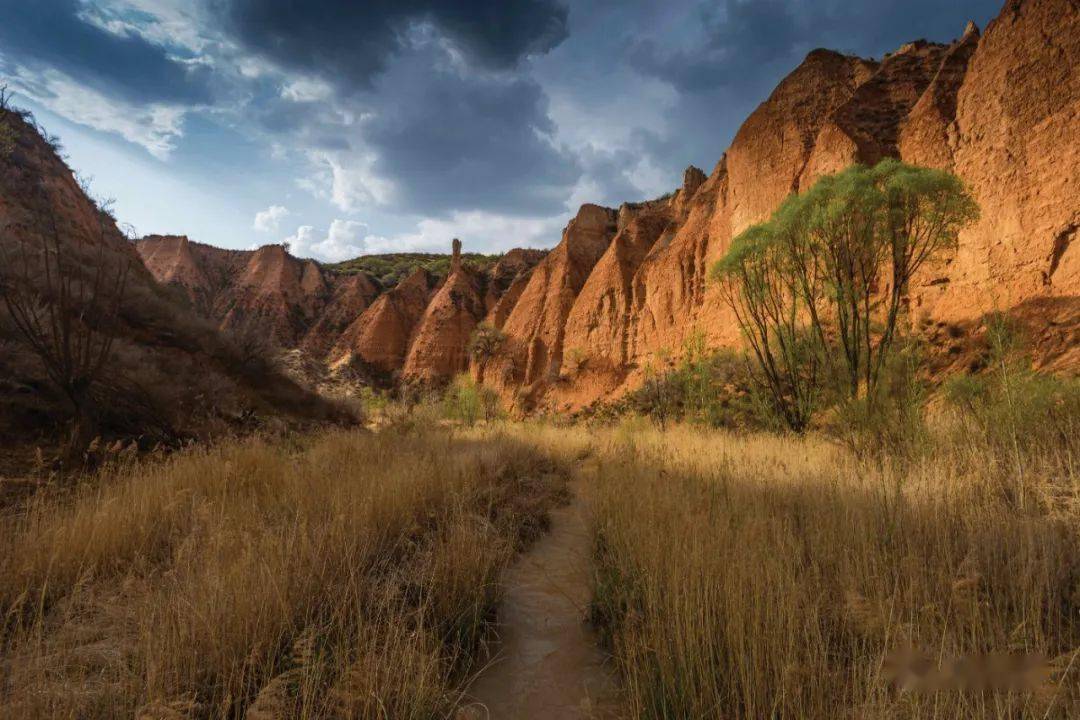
(306, 89)
(348, 180)
(164, 22)
(155, 127)
(269, 220)
(479, 231)
(345, 239)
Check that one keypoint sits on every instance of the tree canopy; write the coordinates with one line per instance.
(824, 282)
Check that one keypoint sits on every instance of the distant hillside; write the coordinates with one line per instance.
(392, 268)
(366, 313)
(171, 375)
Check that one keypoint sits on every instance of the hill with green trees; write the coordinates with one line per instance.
(389, 269)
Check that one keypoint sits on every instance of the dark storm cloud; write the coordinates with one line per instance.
(743, 38)
(452, 102)
(352, 41)
(724, 58)
(747, 42)
(50, 33)
(459, 141)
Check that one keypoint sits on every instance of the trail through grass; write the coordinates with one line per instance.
(352, 575)
(547, 665)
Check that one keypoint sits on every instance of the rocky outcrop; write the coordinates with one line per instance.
(537, 322)
(866, 127)
(266, 291)
(1017, 143)
(768, 157)
(320, 312)
(380, 338)
(439, 350)
(351, 296)
(928, 137)
(171, 375)
(1002, 110)
(512, 269)
(598, 325)
(278, 294)
(204, 274)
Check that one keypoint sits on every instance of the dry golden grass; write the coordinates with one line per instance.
(772, 577)
(353, 575)
(350, 576)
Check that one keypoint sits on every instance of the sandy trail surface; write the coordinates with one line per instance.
(546, 662)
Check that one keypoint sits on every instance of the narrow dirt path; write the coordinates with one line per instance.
(547, 664)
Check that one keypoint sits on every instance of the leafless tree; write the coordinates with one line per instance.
(63, 299)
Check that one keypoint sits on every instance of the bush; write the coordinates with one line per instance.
(707, 387)
(485, 341)
(254, 349)
(468, 402)
(1024, 416)
(892, 422)
(7, 139)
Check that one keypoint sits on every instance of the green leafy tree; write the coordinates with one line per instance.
(758, 281)
(823, 284)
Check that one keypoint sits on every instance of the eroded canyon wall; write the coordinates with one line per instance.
(625, 289)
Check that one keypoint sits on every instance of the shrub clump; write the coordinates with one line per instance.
(468, 402)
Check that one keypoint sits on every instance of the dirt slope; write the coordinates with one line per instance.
(172, 375)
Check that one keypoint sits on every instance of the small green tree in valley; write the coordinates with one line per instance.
(759, 283)
(486, 341)
(823, 284)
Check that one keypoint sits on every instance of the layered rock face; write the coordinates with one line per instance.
(625, 290)
(439, 350)
(536, 324)
(351, 296)
(417, 330)
(265, 291)
(1016, 140)
(1001, 110)
(379, 339)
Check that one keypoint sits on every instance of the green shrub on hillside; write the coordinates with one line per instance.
(7, 139)
(390, 269)
(485, 341)
(468, 402)
(893, 423)
(706, 387)
(1025, 415)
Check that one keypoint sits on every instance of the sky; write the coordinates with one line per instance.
(347, 127)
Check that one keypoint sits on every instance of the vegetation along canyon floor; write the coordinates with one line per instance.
(415, 373)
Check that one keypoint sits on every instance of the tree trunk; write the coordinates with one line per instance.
(83, 428)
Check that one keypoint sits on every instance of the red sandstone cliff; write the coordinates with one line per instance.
(1002, 110)
(336, 317)
(440, 347)
(625, 290)
(536, 324)
(380, 337)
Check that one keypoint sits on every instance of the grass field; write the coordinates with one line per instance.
(783, 577)
(351, 575)
(354, 574)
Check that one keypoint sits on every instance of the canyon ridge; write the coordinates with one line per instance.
(626, 288)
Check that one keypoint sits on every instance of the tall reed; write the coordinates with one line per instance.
(779, 577)
(350, 575)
